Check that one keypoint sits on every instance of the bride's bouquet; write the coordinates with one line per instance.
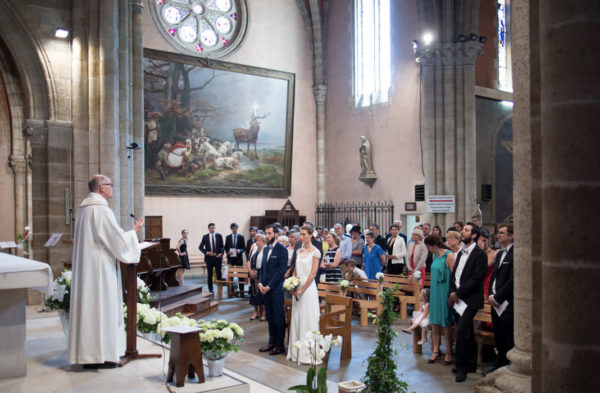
(291, 284)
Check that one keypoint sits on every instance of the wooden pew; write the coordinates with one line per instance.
(327, 288)
(483, 336)
(406, 290)
(232, 272)
(366, 296)
(338, 323)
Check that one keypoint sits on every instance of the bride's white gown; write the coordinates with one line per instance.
(305, 311)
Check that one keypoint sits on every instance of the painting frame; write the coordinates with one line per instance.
(285, 83)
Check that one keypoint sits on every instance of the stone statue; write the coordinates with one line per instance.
(368, 174)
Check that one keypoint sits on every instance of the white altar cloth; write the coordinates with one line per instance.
(16, 276)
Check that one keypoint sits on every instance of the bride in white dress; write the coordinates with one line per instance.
(305, 311)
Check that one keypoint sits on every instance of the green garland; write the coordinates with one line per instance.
(381, 369)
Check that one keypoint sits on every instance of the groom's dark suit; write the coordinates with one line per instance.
(470, 291)
(502, 277)
(270, 275)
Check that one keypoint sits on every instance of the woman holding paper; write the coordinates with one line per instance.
(440, 314)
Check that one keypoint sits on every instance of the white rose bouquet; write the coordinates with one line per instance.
(344, 284)
(143, 292)
(61, 292)
(379, 276)
(219, 338)
(291, 284)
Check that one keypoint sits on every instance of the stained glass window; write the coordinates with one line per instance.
(207, 28)
(504, 69)
(372, 64)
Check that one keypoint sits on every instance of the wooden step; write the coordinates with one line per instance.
(194, 305)
(173, 295)
(213, 306)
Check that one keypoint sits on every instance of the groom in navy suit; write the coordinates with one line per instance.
(270, 284)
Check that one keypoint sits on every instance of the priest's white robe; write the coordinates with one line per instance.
(96, 327)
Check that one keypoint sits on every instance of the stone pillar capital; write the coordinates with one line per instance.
(320, 92)
(449, 53)
(18, 164)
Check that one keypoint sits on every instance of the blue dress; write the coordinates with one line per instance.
(372, 261)
(439, 311)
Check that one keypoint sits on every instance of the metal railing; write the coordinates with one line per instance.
(361, 213)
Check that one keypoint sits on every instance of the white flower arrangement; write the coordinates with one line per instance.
(291, 284)
(379, 276)
(318, 347)
(417, 274)
(143, 292)
(61, 292)
(219, 338)
(344, 284)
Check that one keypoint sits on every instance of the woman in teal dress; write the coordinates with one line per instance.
(440, 314)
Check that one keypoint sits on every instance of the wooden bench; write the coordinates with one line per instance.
(239, 272)
(406, 290)
(197, 261)
(483, 337)
(366, 297)
(328, 288)
(337, 320)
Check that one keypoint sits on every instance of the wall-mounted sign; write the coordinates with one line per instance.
(441, 203)
(410, 206)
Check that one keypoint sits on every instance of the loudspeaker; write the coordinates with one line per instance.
(420, 193)
(486, 192)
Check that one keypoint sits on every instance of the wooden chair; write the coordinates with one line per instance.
(366, 297)
(427, 280)
(483, 336)
(232, 272)
(325, 288)
(287, 313)
(338, 323)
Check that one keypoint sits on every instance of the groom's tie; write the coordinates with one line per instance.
(266, 256)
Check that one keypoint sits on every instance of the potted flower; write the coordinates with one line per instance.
(218, 339)
(61, 297)
(319, 348)
(24, 240)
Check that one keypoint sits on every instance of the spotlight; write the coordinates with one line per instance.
(462, 38)
(473, 37)
(134, 146)
(61, 33)
(482, 39)
(427, 38)
(415, 44)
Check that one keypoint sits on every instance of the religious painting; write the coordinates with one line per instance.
(213, 127)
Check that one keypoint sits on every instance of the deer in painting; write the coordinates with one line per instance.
(248, 135)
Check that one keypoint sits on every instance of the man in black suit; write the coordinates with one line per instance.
(250, 242)
(379, 240)
(212, 248)
(501, 290)
(234, 249)
(466, 285)
(270, 284)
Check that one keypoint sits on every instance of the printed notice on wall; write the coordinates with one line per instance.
(441, 203)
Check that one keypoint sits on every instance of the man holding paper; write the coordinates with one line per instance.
(96, 326)
(466, 296)
(501, 296)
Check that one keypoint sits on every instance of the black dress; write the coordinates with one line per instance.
(185, 261)
(256, 298)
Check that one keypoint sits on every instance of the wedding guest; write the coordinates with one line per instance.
(212, 248)
(440, 313)
(437, 230)
(379, 240)
(453, 242)
(420, 319)
(466, 289)
(417, 255)
(396, 251)
(484, 243)
(373, 256)
(476, 219)
(295, 245)
(183, 256)
(358, 245)
(250, 242)
(426, 230)
(501, 291)
(459, 225)
(332, 260)
(305, 310)
(253, 264)
(354, 272)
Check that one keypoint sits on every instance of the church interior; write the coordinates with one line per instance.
(361, 111)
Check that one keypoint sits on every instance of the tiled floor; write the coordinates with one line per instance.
(48, 370)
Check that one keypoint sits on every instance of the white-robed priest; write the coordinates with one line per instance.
(96, 327)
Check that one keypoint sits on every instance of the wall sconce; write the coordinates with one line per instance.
(131, 147)
(482, 39)
(462, 38)
(473, 37)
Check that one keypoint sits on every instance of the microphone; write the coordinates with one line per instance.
(154, 238)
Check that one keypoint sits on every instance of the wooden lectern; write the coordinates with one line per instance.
(131, 352)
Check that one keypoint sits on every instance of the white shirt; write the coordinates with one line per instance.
(361, 274)
(501, 260)
(346, 247)
(462, 261)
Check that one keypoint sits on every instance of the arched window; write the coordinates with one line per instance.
(372, 63)
(504, 66)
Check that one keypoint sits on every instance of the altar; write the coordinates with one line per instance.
(16, 276)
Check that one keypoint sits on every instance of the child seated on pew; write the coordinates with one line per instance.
(421, 318)
(353, 272)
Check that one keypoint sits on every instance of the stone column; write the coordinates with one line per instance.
(320, 92)
(570, 114)
(137, 46)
